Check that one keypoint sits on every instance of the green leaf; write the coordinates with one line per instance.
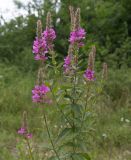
(81, 156)
(64, 87)
(76, 108)
(67, 96)
(68, 144)
(53, 158)
(55, 89)
(63, 105)
(63, 134)
(66, 135)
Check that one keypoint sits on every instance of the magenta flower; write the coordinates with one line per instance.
(67, 64)
(36, 98)
(89, 75)
(40, 49)
(42, 45)
(39, 92)
(36, 90)
(49, 35)
(44, 89)
(21, 131)
(77, 36)
(29, 135)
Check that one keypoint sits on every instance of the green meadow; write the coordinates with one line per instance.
(111, 138)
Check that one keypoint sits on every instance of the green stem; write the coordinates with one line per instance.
(21, 153)
(50, 137)
(73, 114)
(66, 118)
(73, 102)
(85, 108)
(29, 147)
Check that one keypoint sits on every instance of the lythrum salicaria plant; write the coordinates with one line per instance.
(67, 89)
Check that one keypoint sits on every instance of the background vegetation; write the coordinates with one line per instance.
(108, 26)
(107, 22)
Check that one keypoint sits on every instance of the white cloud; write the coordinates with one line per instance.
(8, 10)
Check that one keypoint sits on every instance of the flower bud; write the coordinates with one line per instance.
(94, 52)
(105, 71)
(48, 21)
(72, 15)
(39, 29)
(24, 121)
(91, 61)
(77, 19)
(40, 76)
(70, 50)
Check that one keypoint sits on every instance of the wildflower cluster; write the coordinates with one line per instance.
(77, 36)
(43, 43)
(89, 74)
(49, 36)
(73, 97)
(39, 93)
(23, 131)
(40, 49)
(67, 64)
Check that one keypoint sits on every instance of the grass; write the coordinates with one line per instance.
(111, 139)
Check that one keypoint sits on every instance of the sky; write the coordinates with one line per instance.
(8, 9)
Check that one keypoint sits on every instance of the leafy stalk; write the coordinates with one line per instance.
(29, 147)
(74, 94)
(85, 107)
(50, 137)
(60, 110)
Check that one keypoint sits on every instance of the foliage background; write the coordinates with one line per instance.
(107, 22)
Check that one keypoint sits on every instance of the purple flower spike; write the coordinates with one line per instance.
(49, 35)
(29, 135)
(77, 36)
(44, 89)
(22, 131)
(89, 75)
(40, 49)
(39, 92)
(67, 64)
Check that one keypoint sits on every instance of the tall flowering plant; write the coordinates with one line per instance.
(71, 92)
